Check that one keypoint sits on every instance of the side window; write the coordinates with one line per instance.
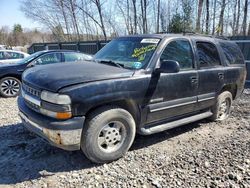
(49, 59)
(208, 55)
(232, 53)
(14, 55)
(69, 57)
(180, 51)
(2, 56)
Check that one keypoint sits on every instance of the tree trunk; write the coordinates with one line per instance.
(207, 17)
(214, 14)
(198, 21)
(221, 20)
(237, 19)
(98, 5)
(158, 17)
(144, 15)
(65, 18)
(244, 23)
(135, 16)
(234, 18)
(72, 6)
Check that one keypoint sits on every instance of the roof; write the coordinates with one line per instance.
(169, 35)
(13, 51)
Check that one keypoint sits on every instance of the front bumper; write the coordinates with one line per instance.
(64, 134)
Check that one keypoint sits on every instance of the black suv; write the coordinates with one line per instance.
(138, 84)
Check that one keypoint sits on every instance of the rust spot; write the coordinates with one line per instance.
(53, 136)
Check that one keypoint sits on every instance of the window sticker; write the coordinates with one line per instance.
(151, 41)
(143, 50)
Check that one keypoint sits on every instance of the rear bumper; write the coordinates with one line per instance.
(64, 134)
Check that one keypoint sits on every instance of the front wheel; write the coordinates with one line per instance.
(222, 108)
(108, 134)
(9, 87)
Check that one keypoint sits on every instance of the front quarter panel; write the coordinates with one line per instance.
(93, 94)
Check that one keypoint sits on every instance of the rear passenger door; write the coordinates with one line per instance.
(210, 73)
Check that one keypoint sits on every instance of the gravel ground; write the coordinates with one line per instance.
(202, 154)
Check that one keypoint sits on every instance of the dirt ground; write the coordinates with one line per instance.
(202, 154)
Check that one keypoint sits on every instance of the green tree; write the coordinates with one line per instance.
(176, 24)
(17, 28)
(187, 15)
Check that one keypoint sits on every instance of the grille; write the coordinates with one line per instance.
(31, 91)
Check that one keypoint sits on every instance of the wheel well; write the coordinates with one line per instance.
(128, 105)
(10, 75)
(232, 88)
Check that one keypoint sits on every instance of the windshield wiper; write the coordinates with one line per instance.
(110, 62)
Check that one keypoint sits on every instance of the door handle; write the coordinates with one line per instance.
(20, 70)
(194, 79)
(221, 76)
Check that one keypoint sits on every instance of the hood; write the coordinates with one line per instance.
(56, 76)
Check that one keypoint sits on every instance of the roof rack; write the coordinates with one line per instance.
(211, 36)
(190, 33)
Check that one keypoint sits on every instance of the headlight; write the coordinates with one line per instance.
(55, 98)
(55, 105)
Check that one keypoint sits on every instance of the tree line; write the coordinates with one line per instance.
(74, 20)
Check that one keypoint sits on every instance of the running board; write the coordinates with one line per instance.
(173, 124)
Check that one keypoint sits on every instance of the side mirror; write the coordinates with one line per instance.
(32, 64)
(169, 66)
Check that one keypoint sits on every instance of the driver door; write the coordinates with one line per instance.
(175, 93)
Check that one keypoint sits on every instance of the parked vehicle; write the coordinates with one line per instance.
(2, 47)
(10, 74)
(140, 84)
(11, 56)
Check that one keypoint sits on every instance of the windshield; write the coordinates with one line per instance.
(29, 58)
(129, 52)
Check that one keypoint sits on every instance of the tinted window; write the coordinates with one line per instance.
(208, 54)
(232, 53)
(180, 51)
(49, 58)
(69, 57)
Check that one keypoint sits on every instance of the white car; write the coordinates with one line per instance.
(2, 47)
(11, 56)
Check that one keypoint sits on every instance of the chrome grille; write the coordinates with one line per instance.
(31, 90)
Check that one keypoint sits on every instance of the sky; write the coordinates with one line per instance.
(11, 14)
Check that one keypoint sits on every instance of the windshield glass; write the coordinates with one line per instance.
(29, 58)
(129, 52)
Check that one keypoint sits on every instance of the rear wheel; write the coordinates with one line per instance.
(222, 108)
(9, 87)
(108, 134)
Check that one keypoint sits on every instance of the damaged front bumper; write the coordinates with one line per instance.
(65, 134)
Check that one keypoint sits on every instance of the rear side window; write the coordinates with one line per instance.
(69, 57)
(49, 58)
(180, 51)
(232, 53)
(14, 55)
(208, 55)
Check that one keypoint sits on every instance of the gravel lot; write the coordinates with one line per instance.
(203, 154)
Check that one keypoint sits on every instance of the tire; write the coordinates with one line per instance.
(221, 110)
(10, 87)
(108, 134)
